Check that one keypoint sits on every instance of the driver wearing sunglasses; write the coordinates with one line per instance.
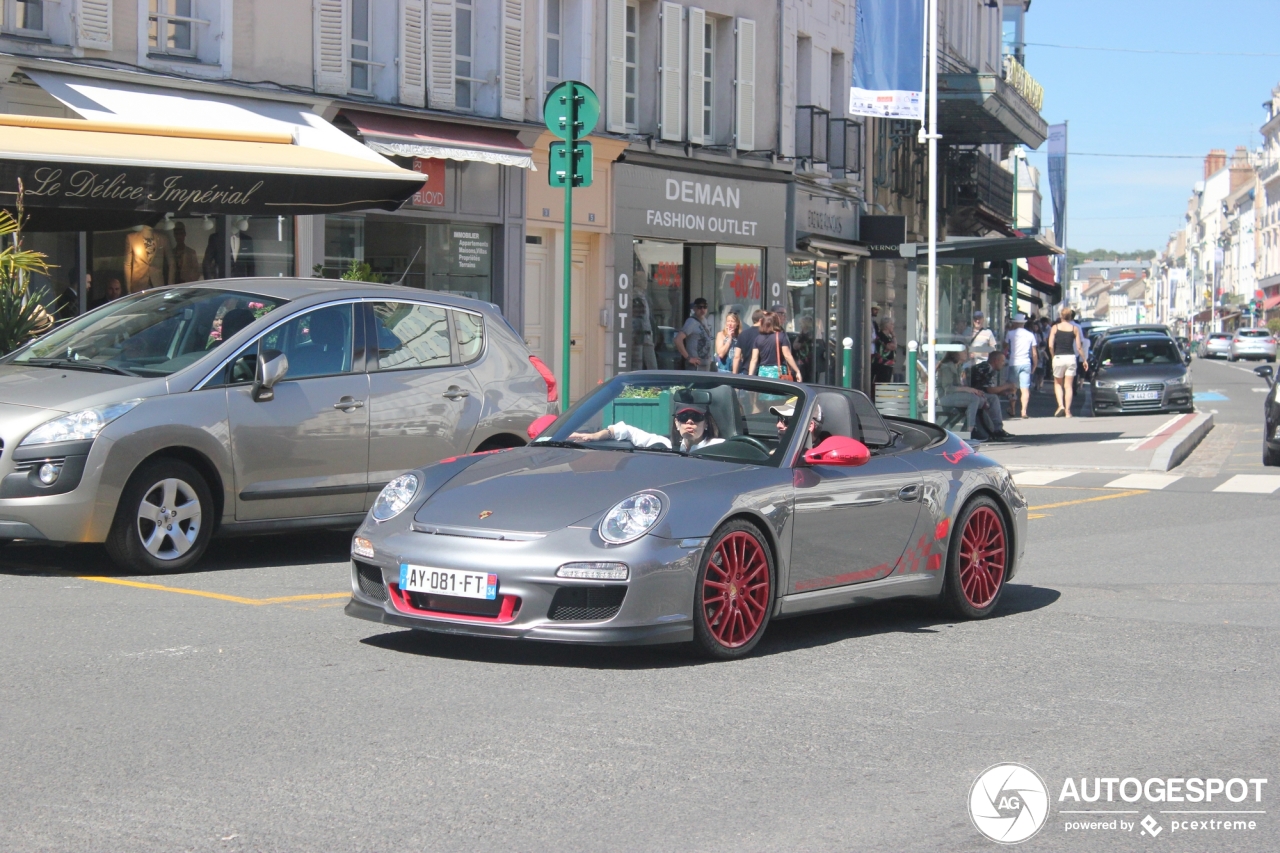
(694, 425)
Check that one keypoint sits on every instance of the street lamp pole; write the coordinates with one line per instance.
(932, 353)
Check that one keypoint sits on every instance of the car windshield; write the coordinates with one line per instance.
(1254, 333)
(154, 333)
(712, 416)
(1139, 352)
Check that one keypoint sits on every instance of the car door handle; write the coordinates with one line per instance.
(346, 404)
(456, 393)
(909, 493)
(839, 504)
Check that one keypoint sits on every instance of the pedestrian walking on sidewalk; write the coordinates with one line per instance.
(1021, 345)
(1067, 349)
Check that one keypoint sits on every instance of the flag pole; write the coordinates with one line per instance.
(932, 353)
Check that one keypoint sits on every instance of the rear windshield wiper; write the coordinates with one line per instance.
(78, 365)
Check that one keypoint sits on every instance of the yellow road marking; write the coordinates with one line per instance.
(235, 599)
(1127, 494)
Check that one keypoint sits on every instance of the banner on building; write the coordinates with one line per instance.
(888, 60)
(1058, 189)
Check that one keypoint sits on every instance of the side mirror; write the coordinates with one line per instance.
(272, 367)
(1265, 371)
(838, 450)
(539, 424)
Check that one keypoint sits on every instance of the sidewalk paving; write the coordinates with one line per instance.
(1154, 442)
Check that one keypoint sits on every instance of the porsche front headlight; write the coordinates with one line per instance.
(394, 497)
(631, 518)
(77, 426)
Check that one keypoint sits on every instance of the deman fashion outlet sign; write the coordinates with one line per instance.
(698, 208)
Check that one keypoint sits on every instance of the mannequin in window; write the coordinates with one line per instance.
(186, 266)
(147, 259)
(242, 257)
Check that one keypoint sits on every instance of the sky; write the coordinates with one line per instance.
(1146, 103)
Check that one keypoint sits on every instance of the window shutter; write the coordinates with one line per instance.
(440, 75)
(616, 72)
(697, 23)
(672, 68)
(413, 46)
(513, 59)
(93, 24)
(332, 33)
(787, 120)
(745, 125)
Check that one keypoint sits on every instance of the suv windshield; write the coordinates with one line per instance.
(154, 333)
(1149, 351)
(714, 417)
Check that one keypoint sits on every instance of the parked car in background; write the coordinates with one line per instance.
(1252, 343)
(1216, 345)
(248, 405)
(1270, 418)
(1140, 373)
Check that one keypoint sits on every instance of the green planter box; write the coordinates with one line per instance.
(651, 414)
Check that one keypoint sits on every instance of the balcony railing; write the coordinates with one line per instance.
(975, 180)
(1023, 83)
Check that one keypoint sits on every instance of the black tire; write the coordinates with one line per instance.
(967, 589)
(1270, 458)
(1232, 359)
(133, 544)
(720, 629)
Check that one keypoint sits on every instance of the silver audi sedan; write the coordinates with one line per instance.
(248, 405)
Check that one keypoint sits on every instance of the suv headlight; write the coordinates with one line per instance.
(394, 497)
(632, 518)
(78, 426)
(1176, 380)
(1102, 383)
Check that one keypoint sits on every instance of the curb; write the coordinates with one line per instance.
(1178, 447)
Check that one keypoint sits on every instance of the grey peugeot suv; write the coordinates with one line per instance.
(249, 405)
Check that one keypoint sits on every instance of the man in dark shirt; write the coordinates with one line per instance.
(988, 377)
(746, 340)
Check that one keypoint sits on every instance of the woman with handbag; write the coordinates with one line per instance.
(771, 353)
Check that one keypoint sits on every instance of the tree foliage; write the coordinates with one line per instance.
(22, 317)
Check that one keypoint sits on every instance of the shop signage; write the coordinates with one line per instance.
(698, 208)
(471, 250)
(884, 235)
(432, 193)
(95, 186)
(822, 216)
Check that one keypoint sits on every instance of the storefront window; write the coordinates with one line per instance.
(813, 317)
(59, 289)
(738, 287)
(654, 305)
(450, 257)
(955, 302)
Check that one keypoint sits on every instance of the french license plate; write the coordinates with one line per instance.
(448, 582)
(1142, 395)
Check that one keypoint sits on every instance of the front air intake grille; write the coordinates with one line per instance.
(586, 603)
(452, 604)
(369, 578)
(1141, 386)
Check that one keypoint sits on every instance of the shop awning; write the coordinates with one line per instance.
(832, 247)
(983, 249)
(400, 136)
(1271, 302)
(141, 149)
(1036, 282)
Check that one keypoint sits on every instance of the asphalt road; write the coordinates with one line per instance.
(1235, 394)
(1139, 640)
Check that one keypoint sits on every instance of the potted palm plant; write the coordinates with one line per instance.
(22, 317)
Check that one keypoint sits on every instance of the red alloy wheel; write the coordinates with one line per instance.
(982, 556)
(735, 590)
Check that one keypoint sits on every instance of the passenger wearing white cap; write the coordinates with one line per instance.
(1021, 346)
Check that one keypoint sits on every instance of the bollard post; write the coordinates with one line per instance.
(912, 381)
(847, 375)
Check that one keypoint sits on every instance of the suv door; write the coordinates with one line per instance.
(304, 453)
(423, 402)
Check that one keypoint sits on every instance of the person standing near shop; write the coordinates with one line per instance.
(884, 354)
(693, 341)
(746, 342)
(1021, 345)
(982, 341)
(771, 352)
(727, 342)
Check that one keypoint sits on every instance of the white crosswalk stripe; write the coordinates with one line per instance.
(1255, 484)
(1041, 478)
(1144, 481)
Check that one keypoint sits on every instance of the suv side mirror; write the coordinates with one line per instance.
(272, 367)
(839, 450)
(1265, 371)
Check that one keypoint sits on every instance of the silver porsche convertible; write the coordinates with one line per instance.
(674, 507)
